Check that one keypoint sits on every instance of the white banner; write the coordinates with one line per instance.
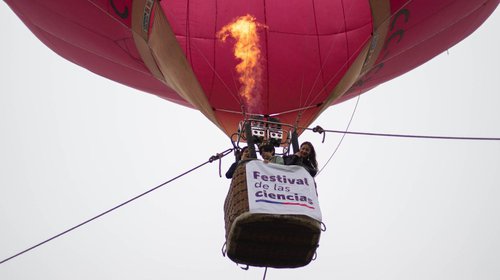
(281, 189)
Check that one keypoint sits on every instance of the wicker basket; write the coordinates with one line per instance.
(266, 240)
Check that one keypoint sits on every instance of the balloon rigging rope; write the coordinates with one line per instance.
(265, 273)
(212, 159)
(346, 131)
(343, 135)
(218, 76)
(409, 135)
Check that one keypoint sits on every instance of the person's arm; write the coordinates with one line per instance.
(313, 171)
(292, 160)
(310, 168)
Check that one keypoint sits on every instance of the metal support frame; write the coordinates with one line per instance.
(250, 140)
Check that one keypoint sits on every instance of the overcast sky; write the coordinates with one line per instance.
(74, 144)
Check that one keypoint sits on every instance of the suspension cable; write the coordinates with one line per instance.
(321, 130)
(211, 159)
(265, 273)
(411, 136)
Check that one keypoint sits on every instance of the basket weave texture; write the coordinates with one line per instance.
(266, 240)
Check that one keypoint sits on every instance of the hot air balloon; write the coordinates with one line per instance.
(311, 54)
(314, 53)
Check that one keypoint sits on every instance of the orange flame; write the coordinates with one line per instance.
(244, 31)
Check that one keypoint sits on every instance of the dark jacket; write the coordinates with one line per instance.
(232, 168)
(304, 162)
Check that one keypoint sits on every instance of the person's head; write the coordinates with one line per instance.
(307, 151)
(266, 151)
(245, 153)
